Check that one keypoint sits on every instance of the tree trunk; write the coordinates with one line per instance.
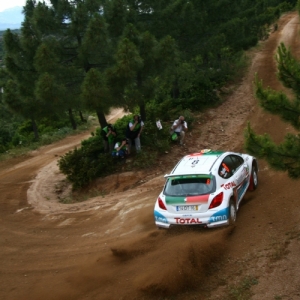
(101, 119)
(73, 123)
(143, 111)
(83, 120)
(35, 129)
(141, 101)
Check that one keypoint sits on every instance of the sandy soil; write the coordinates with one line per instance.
(107, 247)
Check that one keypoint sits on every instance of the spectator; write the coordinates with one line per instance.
(179, 127)
(121, 149)
(133, 132)
(108, 133)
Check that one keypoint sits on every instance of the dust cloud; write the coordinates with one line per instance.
(161, 263)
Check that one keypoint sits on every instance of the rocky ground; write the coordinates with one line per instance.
(107, 246)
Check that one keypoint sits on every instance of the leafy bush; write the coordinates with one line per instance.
(83, 165)
(154, 139)
(93, 140)
(5, 138)
(121, 126)
(63, 131)
(189, 118)
(145, 159)
(19, 140)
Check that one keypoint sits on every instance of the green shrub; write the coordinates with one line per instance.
(63, 131)
(46, 139)
(95, 139)
(189, 118)
(3, 148)
(154, 139)
(145, 159)
(83, 165)
(121, 126)
(19, 140)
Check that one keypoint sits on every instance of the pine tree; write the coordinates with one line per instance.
(285, 156)
(19, 89)
(141, 60)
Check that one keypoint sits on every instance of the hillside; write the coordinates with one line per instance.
(107, 246)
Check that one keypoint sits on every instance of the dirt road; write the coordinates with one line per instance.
(107, 247)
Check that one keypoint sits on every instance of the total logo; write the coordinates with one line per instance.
(187, 221)
(229, 185)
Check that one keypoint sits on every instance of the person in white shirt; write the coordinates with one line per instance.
(180, 127)
(121, 149)
(133, 133)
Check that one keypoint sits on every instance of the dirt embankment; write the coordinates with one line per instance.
(107, 247)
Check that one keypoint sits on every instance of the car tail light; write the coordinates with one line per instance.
(161, 204)
(216, 201)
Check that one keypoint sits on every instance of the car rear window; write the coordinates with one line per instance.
(189, 185)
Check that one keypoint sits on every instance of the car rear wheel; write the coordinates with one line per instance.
(254, 178)
(232, 213)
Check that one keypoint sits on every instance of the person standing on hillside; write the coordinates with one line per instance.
(133, 132)
(179, 127)
(108, 134)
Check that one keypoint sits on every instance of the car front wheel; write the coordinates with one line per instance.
(232, 213)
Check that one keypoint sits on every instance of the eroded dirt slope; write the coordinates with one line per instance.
(107, 247)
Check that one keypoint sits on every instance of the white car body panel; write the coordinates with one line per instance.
(193, 209)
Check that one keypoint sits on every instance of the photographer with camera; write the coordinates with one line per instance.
(121, 149)
(108, 134)
(179, 127)
(133, 132)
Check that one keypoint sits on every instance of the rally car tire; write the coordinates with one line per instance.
(254, 178)
(232, 213)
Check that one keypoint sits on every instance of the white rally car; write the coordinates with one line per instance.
(206, 189)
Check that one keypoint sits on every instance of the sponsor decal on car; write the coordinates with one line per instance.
(190, 199)
(229, 185)
(194, 163)
(205, 152)
(241, 189)
(246, 170)
(187, 221)
(160, 218)
(221, 215)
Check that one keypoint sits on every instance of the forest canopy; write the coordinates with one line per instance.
(73, 58)
(180, 51)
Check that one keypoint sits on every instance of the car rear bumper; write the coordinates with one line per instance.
(211, 225)
(217, 224)
(209, 219)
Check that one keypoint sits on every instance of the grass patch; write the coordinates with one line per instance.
(279, 251)
(45, 139)
(242, 290)
(279, 248)
(78, 197)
